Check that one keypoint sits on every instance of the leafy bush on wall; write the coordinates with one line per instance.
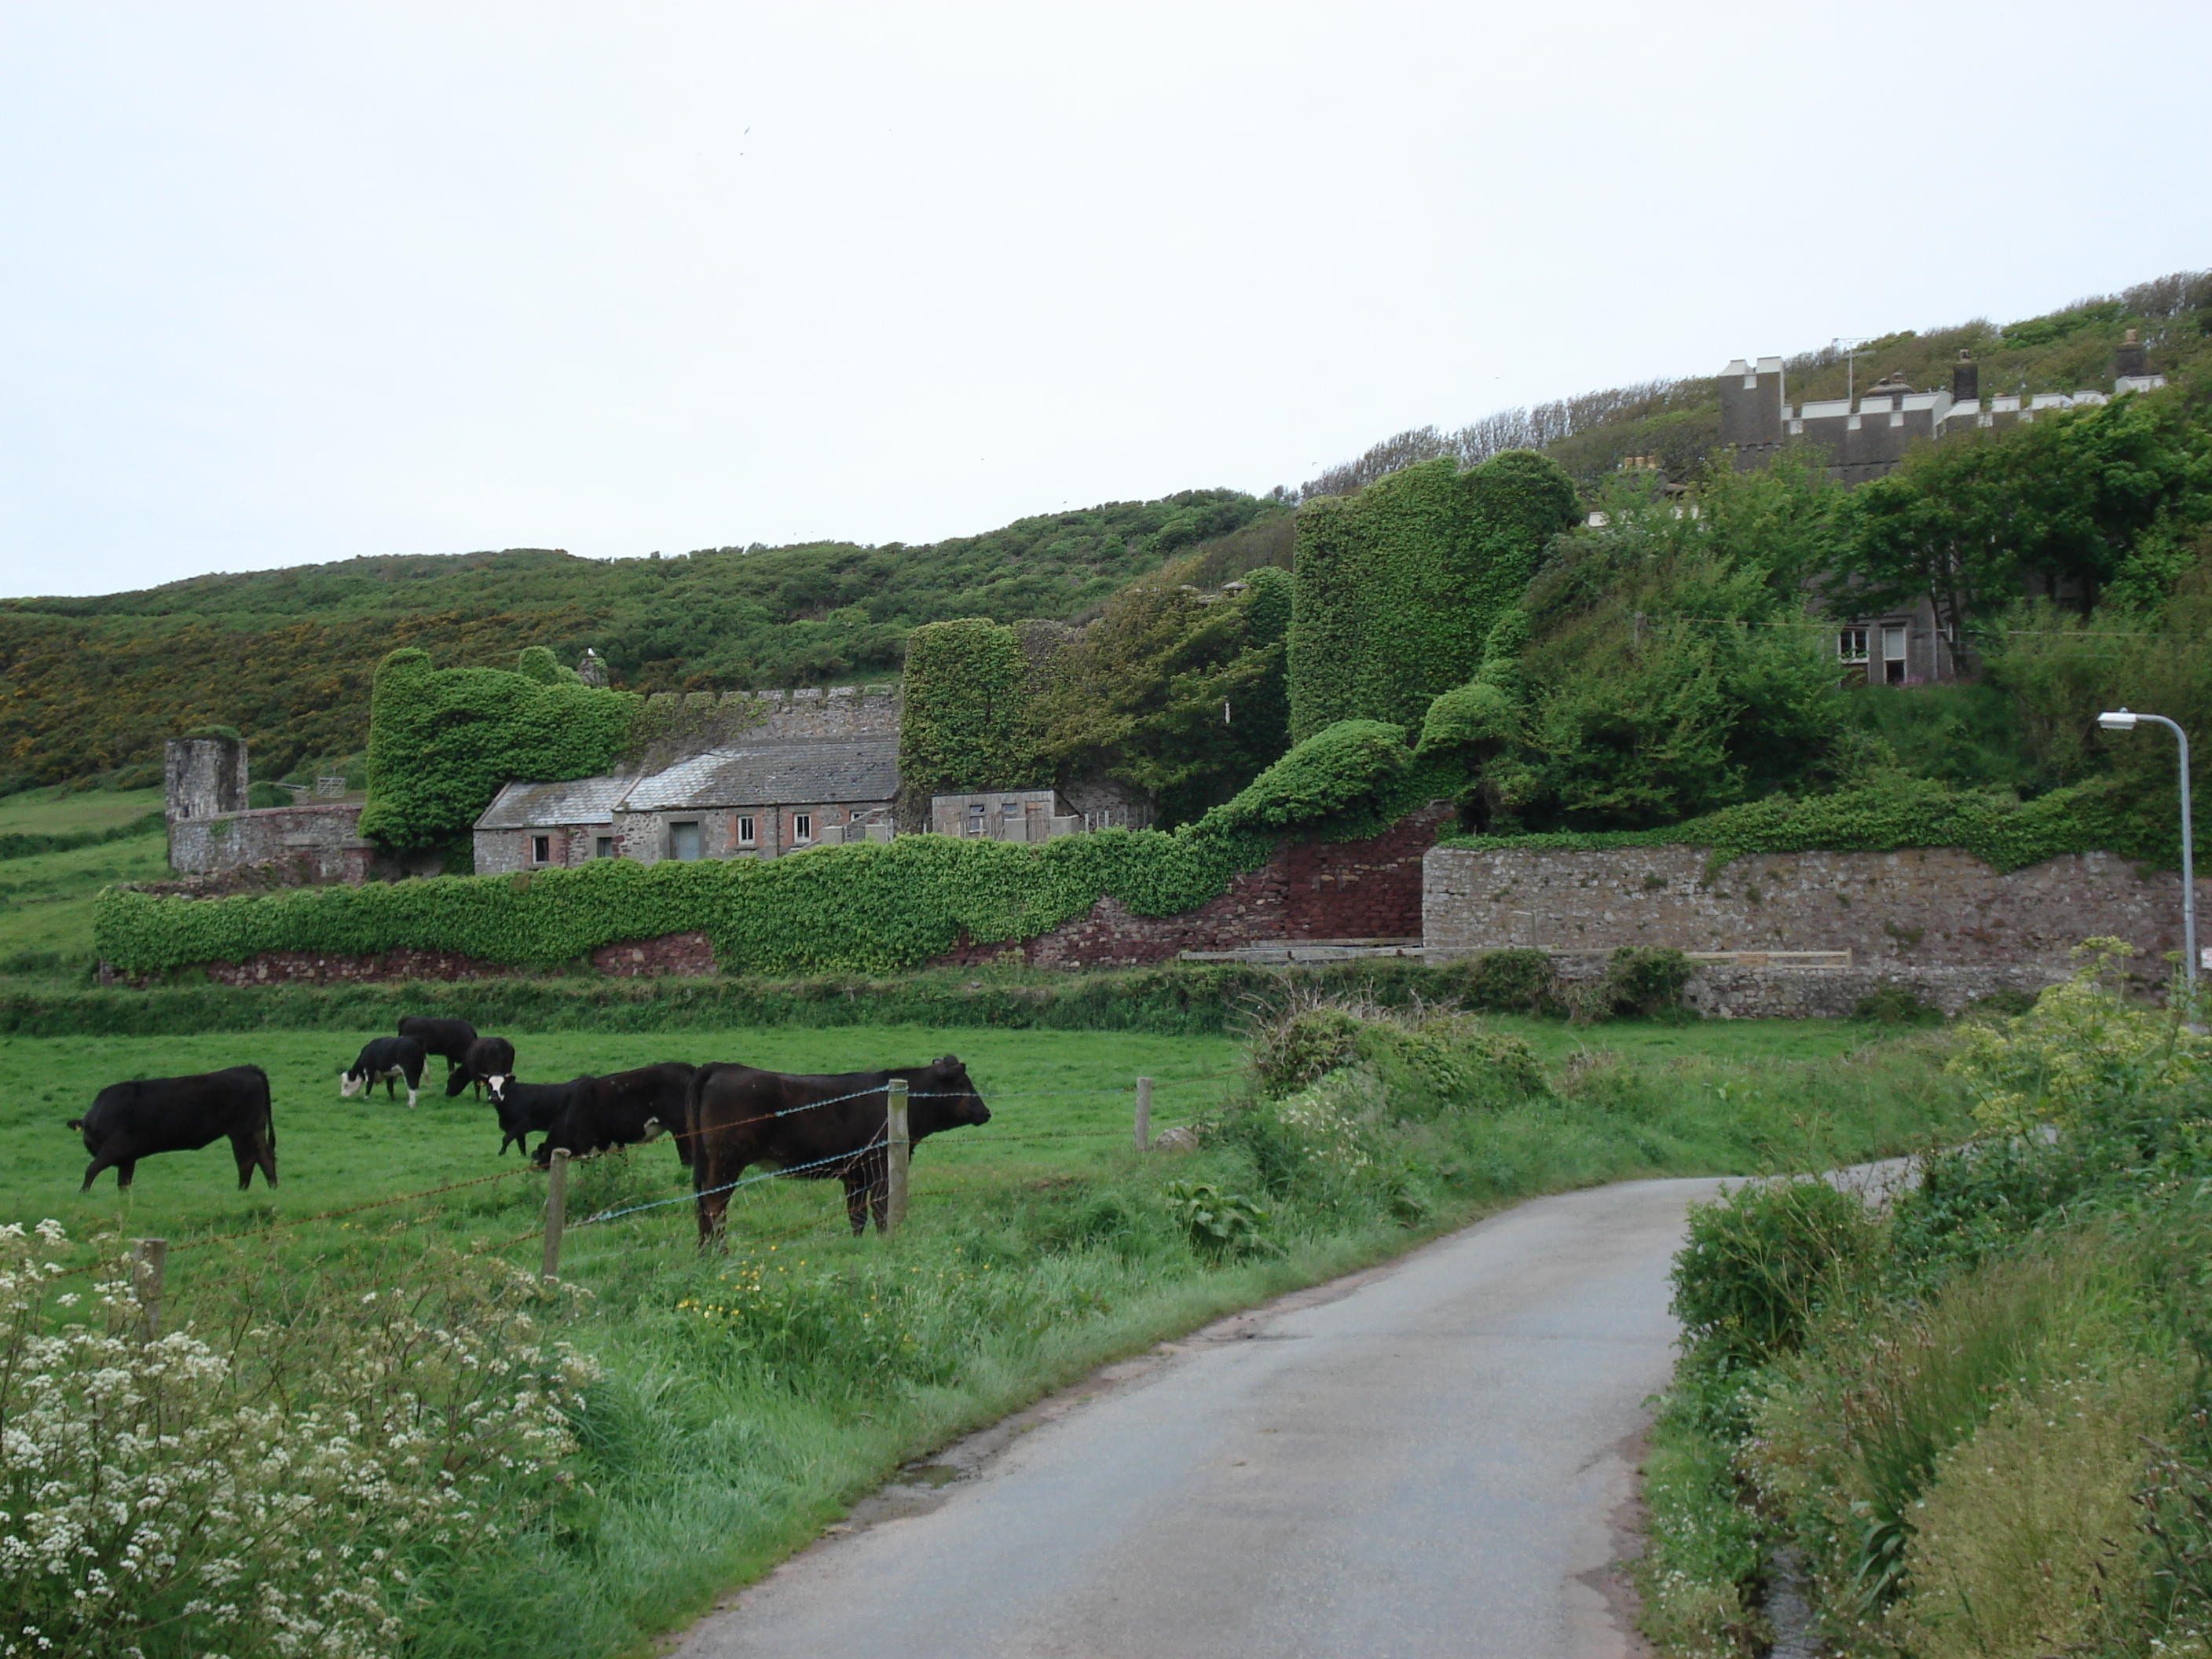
(442, 742)
(1396, 587)
(963, 723)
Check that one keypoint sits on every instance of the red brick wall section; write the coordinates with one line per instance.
(1313, 891)
(672, 953)
(311, 968)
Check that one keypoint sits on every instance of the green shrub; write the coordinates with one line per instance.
(1515, 982)
(1755, 1265)
(1218, 1223)
(1646, 981)
(1892, 1002)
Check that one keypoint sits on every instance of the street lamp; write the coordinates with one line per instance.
(2120, 719)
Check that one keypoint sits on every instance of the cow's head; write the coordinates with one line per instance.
(351, 1084)
(496, 1088)
(944, 1085)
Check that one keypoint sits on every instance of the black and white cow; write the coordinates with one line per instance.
(131, 1121)
(527, 1108)
(449, 1039)
(489, 1058)
(391, 1058)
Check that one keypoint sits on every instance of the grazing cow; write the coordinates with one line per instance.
(623, 1109)
(815, 1127)
(449, 1039)
(529, 1108)
(131, 1121)
(488, 1060)
(391, 1059)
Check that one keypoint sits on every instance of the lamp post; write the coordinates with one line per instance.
(2120, 719)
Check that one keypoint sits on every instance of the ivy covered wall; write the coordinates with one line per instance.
(963, 722)
(442, 742)
(1395, 588)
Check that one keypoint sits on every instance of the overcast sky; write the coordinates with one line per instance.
(295, 282)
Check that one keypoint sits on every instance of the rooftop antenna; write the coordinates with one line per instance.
(1849, 345)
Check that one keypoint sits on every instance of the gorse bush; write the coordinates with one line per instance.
(274, 1485)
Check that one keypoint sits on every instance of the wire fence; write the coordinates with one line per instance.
(869, 1161)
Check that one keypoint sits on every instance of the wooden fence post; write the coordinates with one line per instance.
(1144, 1115)
(556, 1211)
(897, 1144)
(149, 1258)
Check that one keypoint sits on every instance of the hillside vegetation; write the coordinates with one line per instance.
(91, 686)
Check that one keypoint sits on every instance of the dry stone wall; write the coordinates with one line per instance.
(315, 842)
(1924, 909)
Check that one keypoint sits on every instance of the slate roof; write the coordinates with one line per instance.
(806, 772)
(811, 772)
(535, 805)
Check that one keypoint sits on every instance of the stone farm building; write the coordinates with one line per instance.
(811, 769)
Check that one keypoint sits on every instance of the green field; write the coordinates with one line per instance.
(46, 899)
(1057, 1097)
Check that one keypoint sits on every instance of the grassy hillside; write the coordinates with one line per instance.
(91, 686)
(1679, 420)
(45, 898)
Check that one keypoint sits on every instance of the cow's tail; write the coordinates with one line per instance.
(268, 1112)
(695, 1094)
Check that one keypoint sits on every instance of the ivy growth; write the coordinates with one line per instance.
(1397, 586)
(442, 742)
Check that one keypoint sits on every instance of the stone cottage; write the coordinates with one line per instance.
(812, 769)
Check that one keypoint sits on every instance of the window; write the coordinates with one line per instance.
(1892, 653)
(603, 847)
(745, 837)
(541, 849)
(1851, 645)
(684, 840)
(802, 826)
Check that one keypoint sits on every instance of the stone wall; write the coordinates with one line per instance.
(673, 953)
(318, 840)
(1360, 890)
(202, 777)
(1930, 908)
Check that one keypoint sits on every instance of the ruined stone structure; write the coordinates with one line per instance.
(211, 830)
(1017, 815)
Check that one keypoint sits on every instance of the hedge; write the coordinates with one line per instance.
(1173, 999)
(1395, 588)
(2004, 833)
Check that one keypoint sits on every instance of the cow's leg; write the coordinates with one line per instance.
(126, 1167)
(103, 1161)
(414, 1084)
(242, 1152)
(856, 1201)
(264, 1154)
(710, 1172)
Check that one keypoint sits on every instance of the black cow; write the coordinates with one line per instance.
(449, 1039)
(625, 1108)
(131, 1121)
(815, 1127)
(488, 1060)
(529, 1108)
(391, 1059)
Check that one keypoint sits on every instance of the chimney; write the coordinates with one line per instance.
(2131, 360)
(1966, 379)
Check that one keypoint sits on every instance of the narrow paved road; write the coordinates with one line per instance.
(1430, 1464)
